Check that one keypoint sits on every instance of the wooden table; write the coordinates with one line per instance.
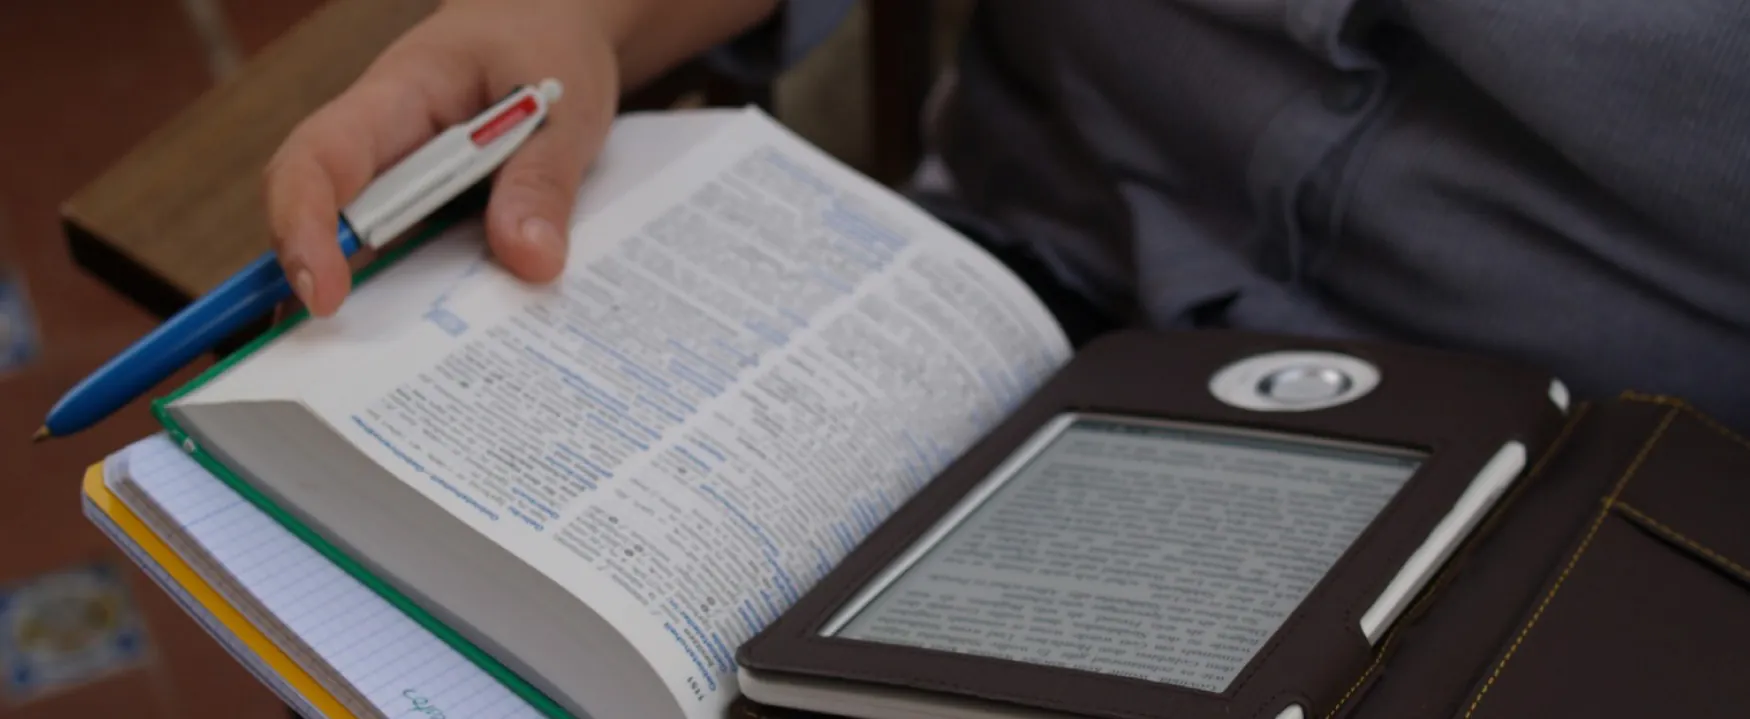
(182, 210)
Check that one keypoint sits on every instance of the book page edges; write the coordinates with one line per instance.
(536, 698)
(96, 487)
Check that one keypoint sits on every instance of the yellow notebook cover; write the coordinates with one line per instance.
(207, 597)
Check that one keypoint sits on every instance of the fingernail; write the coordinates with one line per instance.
(304, 284)
(541, 235)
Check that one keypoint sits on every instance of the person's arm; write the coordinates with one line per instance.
(652, 37)
(446, 69)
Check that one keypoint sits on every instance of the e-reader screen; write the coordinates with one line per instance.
(1164, 551)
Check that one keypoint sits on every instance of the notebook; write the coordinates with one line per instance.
(243, 640)
(373, 659)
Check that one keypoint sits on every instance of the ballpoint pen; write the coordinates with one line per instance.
(395, 201)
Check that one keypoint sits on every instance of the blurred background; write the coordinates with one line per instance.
(82, 632)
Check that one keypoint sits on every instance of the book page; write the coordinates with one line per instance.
(379, 313)
(750, 361)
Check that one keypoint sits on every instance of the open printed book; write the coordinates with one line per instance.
(600, 487)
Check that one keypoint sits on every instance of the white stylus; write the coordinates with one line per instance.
(1484, 490)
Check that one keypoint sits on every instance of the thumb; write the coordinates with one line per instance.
(528, 217)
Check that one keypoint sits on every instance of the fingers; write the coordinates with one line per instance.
(528, 217)
(335, 152)
(301, 214)
(441, 73)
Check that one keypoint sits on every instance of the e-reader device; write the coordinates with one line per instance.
(1178, 524)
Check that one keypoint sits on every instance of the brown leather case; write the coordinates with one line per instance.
(1459, 409)
(1612, 584)
(1612, 581)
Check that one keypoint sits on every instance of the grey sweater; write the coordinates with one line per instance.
(1563, 183)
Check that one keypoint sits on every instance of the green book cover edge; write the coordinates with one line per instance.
(160, 409)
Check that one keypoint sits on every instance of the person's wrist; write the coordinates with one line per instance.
(613, 20)
(617, 20)
(649, 37)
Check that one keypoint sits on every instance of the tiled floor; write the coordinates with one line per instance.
(82, 81)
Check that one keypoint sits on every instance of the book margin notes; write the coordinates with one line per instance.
(609, 482)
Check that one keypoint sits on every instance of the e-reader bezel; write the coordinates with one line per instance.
(1458, 411)
(1047, 437)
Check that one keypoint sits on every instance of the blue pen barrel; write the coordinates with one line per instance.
(247, 296)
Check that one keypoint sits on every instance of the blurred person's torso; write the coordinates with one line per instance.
(1557, 182)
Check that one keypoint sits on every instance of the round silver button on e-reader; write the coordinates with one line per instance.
(1293, 381)
(1305, 383)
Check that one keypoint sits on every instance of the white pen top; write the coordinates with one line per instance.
(447, 165)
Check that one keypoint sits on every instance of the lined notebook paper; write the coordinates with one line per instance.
(240, 637)
(396, 665)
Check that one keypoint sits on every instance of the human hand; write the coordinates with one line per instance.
(463, 57)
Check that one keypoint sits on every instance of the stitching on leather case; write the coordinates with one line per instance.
(1690, 410)
(1365, 674)
(1591, 531)
(1680, 538)
(1391, 635)
(1655, 525)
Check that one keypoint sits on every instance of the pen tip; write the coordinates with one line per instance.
(42, 433)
